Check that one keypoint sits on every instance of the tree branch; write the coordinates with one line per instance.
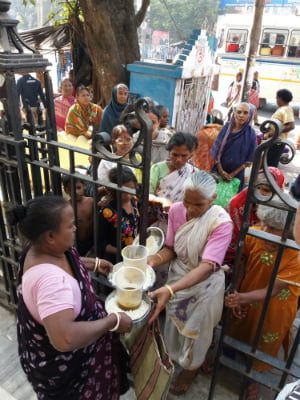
(140, 15)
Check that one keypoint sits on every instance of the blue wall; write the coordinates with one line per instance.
(157, 81)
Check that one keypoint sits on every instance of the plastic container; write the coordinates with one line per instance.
(135, 256)
(139, 317)
(149, 276)
(129, 284)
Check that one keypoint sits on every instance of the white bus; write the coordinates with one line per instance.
(277, 58)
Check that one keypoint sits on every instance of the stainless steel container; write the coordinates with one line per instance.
(137, 324)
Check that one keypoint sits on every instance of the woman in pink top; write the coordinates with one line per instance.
(63, 103)
(67, 346)
(197, 239)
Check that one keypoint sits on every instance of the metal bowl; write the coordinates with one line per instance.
(150, 276)
(157, 234)
(137, 324)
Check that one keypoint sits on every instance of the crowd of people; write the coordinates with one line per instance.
(75, 351)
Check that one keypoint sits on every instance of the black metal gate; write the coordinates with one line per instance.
(244, 366)
(29, 152)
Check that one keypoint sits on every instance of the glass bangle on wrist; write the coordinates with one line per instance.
(97, 264)
(117, 323)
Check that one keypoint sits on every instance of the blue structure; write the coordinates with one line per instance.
(158, 80)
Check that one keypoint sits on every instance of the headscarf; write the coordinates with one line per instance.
(277, 174)
(233, 149)
(112, 112)
(222, 138)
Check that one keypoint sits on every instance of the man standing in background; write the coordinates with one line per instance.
(30, 90)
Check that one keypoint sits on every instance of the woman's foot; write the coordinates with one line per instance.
(208, 365)
(183, 381)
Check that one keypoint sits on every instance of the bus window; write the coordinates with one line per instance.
(273, 42)
(236, 40)
(294, 44)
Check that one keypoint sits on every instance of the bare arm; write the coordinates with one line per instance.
(103, 266)
(239, 169)
(66, 334)
(166, 203)
(289, 126)
(164, 255)
(199, 274)
(237, 298)
(297, 226)
(225, 175)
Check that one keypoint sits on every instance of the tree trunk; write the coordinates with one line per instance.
(112, 41)
(254, 43)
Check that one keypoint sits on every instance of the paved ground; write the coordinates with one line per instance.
(14, 386)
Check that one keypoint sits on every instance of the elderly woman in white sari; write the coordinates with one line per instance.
(197, 239)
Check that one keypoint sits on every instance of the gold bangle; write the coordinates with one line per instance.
(160, 257)
(170, 290)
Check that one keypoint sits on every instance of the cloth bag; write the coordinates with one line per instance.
(150, 364)
(226, 190)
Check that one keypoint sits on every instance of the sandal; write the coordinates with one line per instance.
(183, 381)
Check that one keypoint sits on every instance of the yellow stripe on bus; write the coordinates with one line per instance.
(266, 79)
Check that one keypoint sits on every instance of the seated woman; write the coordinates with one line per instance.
(252, 285)
(236, 206)
(83, 114)
(108, 217)
(74, 353)
(164, 116)
(235, 146)
(197, 238)
(63, 103)
(167, 177)
(113, 111)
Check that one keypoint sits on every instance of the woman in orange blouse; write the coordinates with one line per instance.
(83, 114)
(252, 285)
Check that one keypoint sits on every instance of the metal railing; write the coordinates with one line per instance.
(250, 352)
